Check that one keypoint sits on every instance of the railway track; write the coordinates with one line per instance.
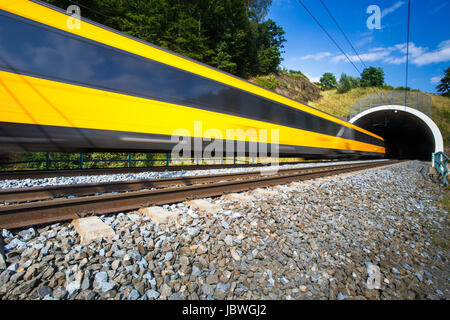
(40, 174)
(48, 211)
(77, 190)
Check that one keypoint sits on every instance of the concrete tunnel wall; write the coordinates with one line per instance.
(408, 133)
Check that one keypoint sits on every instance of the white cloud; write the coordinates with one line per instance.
(393, 60)
(435, 80)
(396, 5)
(413, 50)
(438, 8)
(364, 41)
(372, 56)
(313, 78)
(441, 54)
(397, 54)
(315, 56)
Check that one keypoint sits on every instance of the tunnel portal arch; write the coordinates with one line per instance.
(408, 132)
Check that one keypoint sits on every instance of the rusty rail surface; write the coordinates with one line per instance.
(48, 211)
(38, 174)
(48, 192)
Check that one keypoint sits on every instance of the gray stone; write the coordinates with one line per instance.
(169, 256)
(107, 286)
(193, 231)
(115, 264)
(44, 291)
(100, 278)
(222, 286)
(13, 267)
(229, 240)
(196, 272)
(184, 260)
(60, 293)
(207, 289)
(72, 288)
(3, 265)
(86, 283)
(166, 291)
(16, 277)
(134, 295)
(152, 294)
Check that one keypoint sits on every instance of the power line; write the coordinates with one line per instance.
(88, 8)
(407, 50)
(337, 25)
(329, 36)
(348, 40)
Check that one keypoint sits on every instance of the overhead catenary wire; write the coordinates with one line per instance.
(89, 8)
(407, 51)
(345, 36)
(343, 33)
(329, 36)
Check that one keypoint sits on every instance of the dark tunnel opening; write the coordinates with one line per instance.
(406, 135)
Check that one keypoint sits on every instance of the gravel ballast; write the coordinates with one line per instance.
(320, 239)
(148, 175)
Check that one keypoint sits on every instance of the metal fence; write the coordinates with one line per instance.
(416, 100)
(49, 163)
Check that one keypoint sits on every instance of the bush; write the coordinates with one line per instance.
(345, 84)
(328, 81)
(270, 82)
(403, 88)
(372, 77)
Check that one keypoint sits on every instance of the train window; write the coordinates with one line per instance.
(38, 50)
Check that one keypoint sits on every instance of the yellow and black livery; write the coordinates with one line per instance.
(94, 88)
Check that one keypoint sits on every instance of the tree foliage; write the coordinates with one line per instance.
(372, 77)
(228, 34)
(444, 87)
(345, 84)
(328, 81)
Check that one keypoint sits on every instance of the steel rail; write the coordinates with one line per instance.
(48, 192)
(38, 174)
(41, 212)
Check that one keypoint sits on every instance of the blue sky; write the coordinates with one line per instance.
(310, 50)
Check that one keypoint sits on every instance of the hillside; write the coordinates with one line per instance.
(298, 87)
(293, 85)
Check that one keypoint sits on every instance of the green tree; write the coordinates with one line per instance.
(354, 81)
(328, 81)
(372, 77)
(258, 9)
(269, 43)
(345, 84)
(444, 86)
(228, 34)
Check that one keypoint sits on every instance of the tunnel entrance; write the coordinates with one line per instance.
(407, 134)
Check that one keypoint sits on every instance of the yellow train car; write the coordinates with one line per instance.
(88, 87)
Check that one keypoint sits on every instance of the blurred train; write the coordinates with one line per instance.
(91, 88)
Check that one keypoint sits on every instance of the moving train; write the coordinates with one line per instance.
(86, 88)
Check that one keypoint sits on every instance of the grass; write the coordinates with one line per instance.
(446, 199)
(338, 104)
(441, 238)
(270, 82)
(440, 113)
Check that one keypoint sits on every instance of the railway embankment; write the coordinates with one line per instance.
(320, 239)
